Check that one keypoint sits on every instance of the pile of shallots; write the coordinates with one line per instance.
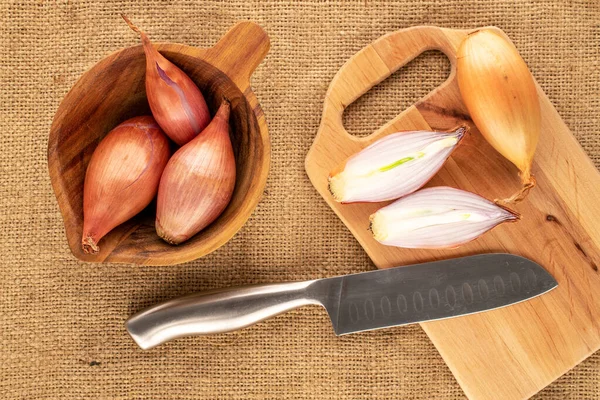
(501, 98)
(133, 163)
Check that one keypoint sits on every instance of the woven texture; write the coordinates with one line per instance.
(61, 321)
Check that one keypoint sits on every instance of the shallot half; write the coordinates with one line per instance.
(122, 177)
(437, 217)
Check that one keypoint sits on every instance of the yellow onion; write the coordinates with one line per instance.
(122, 177)
(175, 100)
(501, 98)
(197, 182)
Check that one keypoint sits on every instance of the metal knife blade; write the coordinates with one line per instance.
(355, 303)
(431, 291)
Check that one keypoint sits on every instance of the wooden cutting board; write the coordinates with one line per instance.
(510, 353)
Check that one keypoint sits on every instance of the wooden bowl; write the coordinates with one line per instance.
(113, 91)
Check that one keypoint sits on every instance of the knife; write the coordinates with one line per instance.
(355, 303)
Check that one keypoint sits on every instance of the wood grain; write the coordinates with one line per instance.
(113, 91)
(510, 353)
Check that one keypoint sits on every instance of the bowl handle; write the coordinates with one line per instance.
(239, 52)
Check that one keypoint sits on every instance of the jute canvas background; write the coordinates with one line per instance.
(61, 321)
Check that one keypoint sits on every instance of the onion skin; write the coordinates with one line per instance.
(175, 100)
(500, 95)
(197, 183)
(122, 177)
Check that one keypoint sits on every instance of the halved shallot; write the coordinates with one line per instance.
(437, 217)
(393, 166)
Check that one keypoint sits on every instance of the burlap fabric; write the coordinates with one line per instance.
(61, 321)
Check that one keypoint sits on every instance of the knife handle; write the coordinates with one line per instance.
(218, 311)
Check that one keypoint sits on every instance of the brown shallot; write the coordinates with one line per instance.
(198, 182)
(122, 177)
(175, 100)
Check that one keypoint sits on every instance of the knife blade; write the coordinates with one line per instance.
(354, 303)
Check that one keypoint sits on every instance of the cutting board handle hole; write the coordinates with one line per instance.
(403, 88)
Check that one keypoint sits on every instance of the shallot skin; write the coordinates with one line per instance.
(197, 183)
(122, 177)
